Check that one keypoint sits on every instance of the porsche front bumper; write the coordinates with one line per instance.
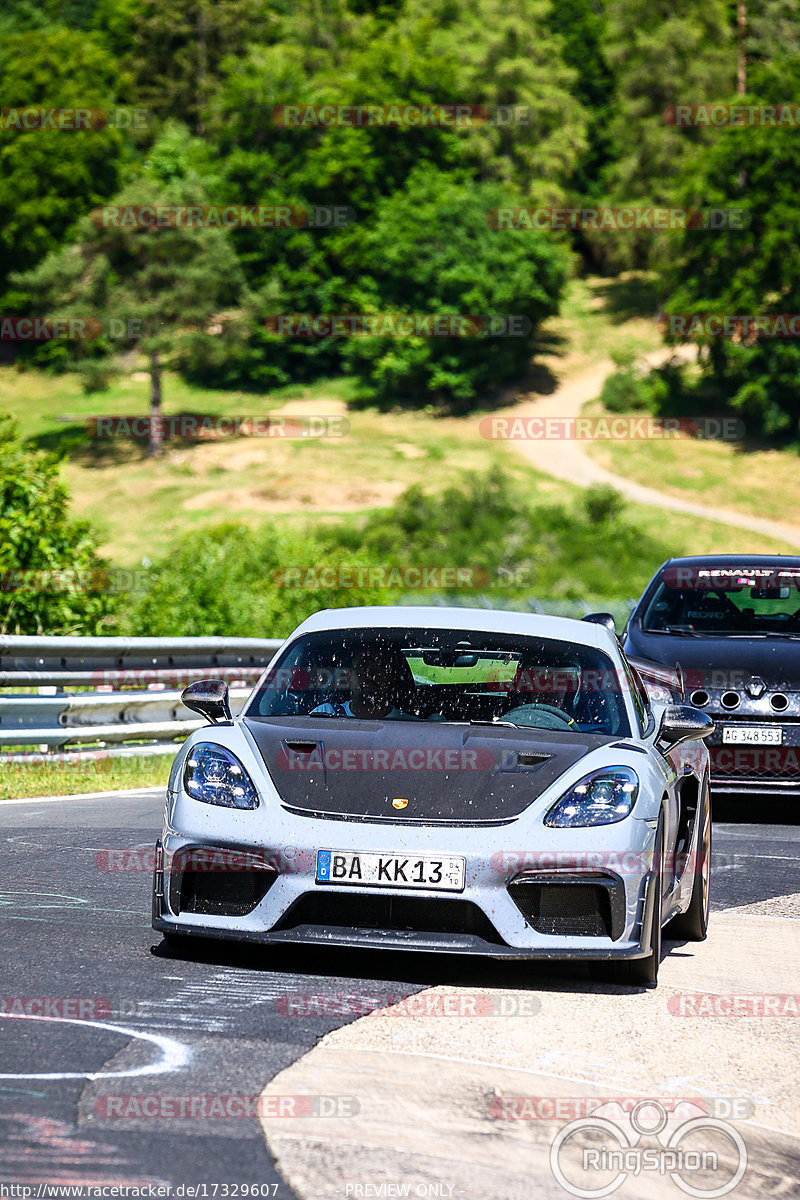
(584, 897)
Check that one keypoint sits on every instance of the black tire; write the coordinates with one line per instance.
(692, 926)
(177, 941)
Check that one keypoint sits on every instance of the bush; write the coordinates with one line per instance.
(631, 390)
(51, 578)
(603, 503)
(235, 581)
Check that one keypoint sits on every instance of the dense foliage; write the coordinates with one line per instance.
(513, 547)
(576, 95)
(51, 578)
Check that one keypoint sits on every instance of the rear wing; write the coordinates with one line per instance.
(671, 678)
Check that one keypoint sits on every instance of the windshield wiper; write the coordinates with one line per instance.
(677, 632)
(501, 724)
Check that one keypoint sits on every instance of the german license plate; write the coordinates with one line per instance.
(359, 869)
(741, 735)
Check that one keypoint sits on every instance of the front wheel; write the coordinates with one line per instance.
(692, 926)
(643, 972)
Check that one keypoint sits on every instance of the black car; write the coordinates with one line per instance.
(732, 622)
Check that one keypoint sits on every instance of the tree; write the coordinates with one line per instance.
(180, 47)
(157, 285)
(661, 52)
(431, 250)
(51, 578)
(753, 271)
(49, 177)
(506, 55)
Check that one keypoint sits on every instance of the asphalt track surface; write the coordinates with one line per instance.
(72, 929)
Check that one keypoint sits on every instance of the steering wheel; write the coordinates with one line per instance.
(555, 717)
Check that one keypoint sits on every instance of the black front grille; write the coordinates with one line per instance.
(221, 894)
(567, 909)
(376, 912)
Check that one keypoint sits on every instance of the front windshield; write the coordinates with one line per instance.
(726, 601)
(445, 675)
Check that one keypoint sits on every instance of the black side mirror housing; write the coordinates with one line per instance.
(210, 698)
(604, 619)
(682, 723)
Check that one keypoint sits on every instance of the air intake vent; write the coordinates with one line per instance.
(353, 911)
(228, 893)
(779, 702)
(570, 907)
(527, 759)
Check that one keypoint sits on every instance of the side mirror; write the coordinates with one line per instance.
(208, 697)
(682, 723)
(604, 619)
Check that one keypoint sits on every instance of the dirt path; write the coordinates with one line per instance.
(568, 460)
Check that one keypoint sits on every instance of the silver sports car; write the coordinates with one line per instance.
(443, 779)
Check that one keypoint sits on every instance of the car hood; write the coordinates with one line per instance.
(722, 662)
(450, 774)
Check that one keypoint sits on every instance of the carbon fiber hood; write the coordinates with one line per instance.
(452, 774)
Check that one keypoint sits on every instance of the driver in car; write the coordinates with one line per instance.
(373, 691)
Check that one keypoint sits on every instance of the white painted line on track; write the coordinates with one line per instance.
(174, 1054)
(86, 795)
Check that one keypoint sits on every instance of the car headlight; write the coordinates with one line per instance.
(605, 796)
(215, 776)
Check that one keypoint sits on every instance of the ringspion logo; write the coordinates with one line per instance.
(691, 1146)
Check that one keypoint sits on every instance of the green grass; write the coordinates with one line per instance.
(18, 780)
(755, 480)
(139, 505)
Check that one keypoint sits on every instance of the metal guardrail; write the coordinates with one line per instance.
(132, 681)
